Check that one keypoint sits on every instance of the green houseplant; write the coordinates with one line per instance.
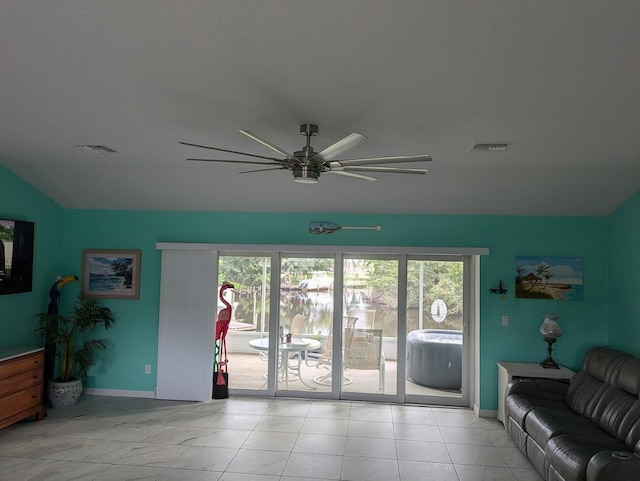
(74, 354)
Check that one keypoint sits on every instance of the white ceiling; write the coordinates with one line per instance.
(558, 80)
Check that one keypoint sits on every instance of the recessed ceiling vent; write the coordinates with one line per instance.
(490, 147)
(97, 149)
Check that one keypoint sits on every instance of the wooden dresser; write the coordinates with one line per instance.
(21, 373)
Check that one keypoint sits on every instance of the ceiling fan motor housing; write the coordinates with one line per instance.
(308, 129)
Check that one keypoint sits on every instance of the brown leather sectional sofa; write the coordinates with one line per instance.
(588, 430)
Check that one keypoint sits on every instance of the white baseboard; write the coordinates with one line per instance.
(485, 413)
(119, 393)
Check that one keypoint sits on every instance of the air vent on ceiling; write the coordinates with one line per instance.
(490, 147)
(97, 149)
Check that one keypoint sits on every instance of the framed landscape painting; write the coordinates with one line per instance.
(111, 274)
(540, 277)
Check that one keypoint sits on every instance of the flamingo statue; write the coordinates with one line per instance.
(222, 326)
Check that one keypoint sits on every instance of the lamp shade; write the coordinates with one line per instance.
(550, 327)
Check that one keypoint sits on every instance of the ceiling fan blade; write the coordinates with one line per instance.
(352, 174)
(239, 162)
(268, 144)
(395, 159)
(261, 170)
(341, 146)
(230, 151)
(384, 170)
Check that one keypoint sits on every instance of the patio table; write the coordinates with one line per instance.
(295, 346)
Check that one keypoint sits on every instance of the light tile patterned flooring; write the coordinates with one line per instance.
(259, 439)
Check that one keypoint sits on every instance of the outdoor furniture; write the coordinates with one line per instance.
(434, 358)
(363, 350)
(361, 318)
(288, 371)
(322, 359)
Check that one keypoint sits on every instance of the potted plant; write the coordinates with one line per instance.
(74, 356)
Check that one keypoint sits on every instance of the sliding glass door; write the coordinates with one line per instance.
(437, 321)
(305, 324)
(247, 339)
(395, 331)
(369, 325)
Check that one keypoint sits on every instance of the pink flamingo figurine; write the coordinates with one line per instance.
(222, 326)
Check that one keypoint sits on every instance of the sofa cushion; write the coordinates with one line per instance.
(604, 364)
(542, 424)
(518, 406)
(615, 412)
(569, 454)
(629, 376)
(600, 370)
(632, 440)
(584, 393)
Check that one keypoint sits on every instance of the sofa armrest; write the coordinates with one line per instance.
(541, 388)
(614, 465)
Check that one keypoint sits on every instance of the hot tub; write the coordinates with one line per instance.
(434, 358)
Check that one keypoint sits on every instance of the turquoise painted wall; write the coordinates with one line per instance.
(624, 283)
(133, 341)
(21, 201)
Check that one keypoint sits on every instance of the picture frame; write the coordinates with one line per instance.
(111, 274)
(545, 277)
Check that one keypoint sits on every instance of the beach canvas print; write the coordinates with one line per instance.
(539, 277)
(111, 273)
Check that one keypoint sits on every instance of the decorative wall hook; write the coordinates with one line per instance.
(500, 290)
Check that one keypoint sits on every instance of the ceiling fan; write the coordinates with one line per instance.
(307, 165)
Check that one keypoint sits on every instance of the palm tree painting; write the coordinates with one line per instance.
(111, 273)
(539, 277)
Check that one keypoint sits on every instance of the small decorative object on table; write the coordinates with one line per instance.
(550, 329)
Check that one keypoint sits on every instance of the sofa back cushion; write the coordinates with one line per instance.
(600, 370)
(607, 392)
(604, 364)
(629, 382)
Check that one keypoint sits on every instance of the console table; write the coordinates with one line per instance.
(21, 373)
(510, 370)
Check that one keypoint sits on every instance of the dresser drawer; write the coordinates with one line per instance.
(22, 364)
(22, 400)
(20, 381)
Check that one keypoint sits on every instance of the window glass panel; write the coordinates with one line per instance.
(305, 329)
(247, 338)
(370, 325)
(435, 313)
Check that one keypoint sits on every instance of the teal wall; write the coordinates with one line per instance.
(21, 201)
(624, 282)
(134, 339)
(62, 235)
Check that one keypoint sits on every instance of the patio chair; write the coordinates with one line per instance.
(361, 318)
(322, 359)
(363, 351)
(296, 328)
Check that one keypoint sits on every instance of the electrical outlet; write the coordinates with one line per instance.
(505, 320)
(147, 368)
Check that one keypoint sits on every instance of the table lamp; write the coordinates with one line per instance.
(550, 329)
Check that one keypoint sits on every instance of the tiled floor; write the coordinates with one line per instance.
(251, 439)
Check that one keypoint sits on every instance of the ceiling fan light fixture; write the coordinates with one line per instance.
(305, 174)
